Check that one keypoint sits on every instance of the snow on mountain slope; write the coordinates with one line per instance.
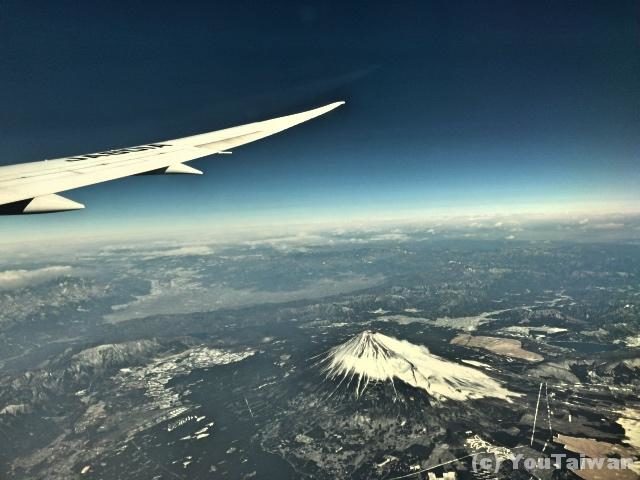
(375, 357)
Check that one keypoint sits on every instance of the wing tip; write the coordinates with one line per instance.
(326, 108)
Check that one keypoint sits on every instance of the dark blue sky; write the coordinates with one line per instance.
(450, 104)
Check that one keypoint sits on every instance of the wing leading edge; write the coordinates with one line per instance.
(32, 187)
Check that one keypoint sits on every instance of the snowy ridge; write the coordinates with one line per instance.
(375, 357)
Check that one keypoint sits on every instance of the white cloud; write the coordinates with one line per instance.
(608, 226)
(393, 236)
(186, 251)
(19, 278)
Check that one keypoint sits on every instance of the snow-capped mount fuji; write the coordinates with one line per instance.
(372, 357)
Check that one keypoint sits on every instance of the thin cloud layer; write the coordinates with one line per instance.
(19, 278)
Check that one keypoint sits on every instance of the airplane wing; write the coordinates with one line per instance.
(33, 187)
